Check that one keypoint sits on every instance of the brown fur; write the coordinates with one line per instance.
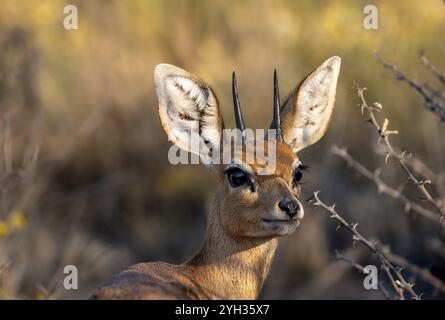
(229, 265)
(244, 222)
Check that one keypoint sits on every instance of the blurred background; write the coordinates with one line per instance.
(84, 173)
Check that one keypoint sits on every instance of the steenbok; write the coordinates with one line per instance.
(252, 207)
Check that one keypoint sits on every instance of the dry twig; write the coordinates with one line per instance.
(423, 273)
(382, 187)
(435, 93)
(432, 104)
(398, 281)
(439, 75)
(384, 134)
(415, 163)
(360, 268)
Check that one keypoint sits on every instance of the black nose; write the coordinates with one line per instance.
(290, 206)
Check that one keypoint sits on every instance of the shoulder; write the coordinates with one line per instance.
(146, 281)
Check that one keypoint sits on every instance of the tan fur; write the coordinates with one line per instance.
(229, 264)
(243, 224)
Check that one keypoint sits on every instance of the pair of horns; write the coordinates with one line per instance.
(276, 120)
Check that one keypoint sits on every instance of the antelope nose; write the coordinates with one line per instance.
(290, 206)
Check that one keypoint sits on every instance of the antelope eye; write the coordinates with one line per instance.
(297, 175)
(237, 177)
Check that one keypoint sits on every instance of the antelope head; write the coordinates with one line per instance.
(251, 203)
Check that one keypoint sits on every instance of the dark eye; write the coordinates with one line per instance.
(237, 177)
(298, 174)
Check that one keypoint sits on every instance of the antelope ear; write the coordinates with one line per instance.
(188, 110)
(306, 113)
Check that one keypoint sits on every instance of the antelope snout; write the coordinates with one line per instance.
(292, 207)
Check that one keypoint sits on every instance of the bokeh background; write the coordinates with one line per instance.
(84, 173)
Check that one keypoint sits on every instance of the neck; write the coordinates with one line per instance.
(228, 267)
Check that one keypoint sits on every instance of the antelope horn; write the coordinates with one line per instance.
(276, 121)
(236, 104)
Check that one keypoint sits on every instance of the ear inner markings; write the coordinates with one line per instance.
(188, 109)
(184, 116)
(306, 117)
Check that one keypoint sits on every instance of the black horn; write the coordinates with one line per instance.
(236, 104)
(276, 122)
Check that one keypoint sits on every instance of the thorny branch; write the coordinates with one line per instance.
(417, 165)
(423, 273)
(432, 104)
(435, 93)
(360, 268)
(384, 134)
(398, 281)
(397, 289)
(440, 76)
(382, 187)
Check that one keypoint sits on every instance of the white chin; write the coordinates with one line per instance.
(281, 227)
